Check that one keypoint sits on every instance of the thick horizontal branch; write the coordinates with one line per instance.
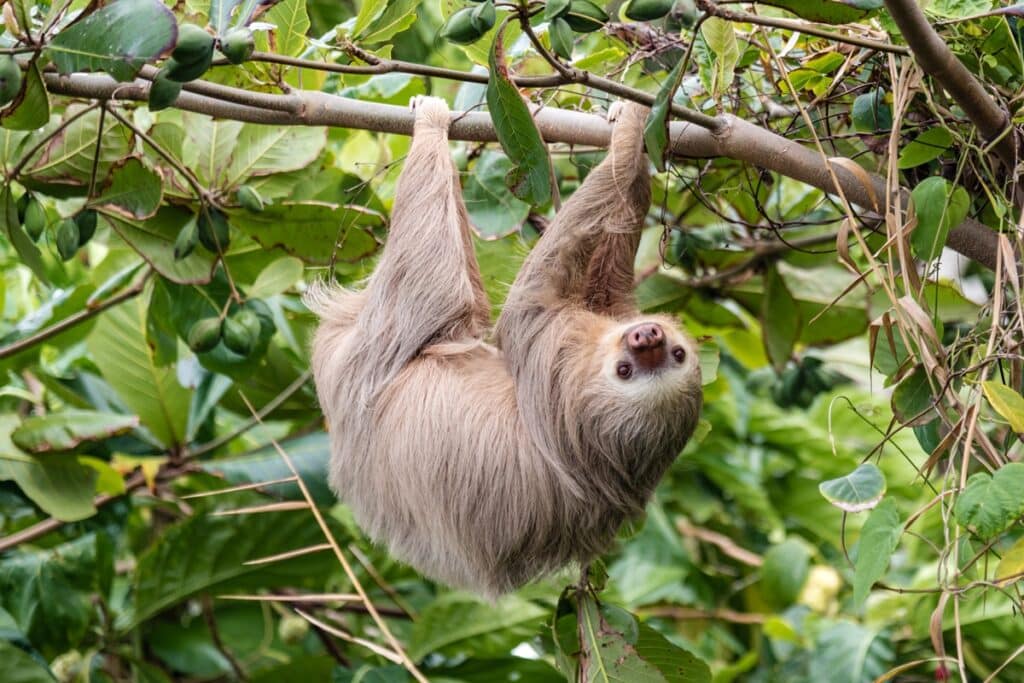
(731, 137)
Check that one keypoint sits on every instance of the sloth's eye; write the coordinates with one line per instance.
(679, 354)
(624, 370)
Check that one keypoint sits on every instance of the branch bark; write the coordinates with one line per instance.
(939, 62)
(729, 136)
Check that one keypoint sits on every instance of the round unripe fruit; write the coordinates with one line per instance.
(194, 45)
(249, 199)
(214, 233)
(187, 240)
(10, 79)
(183, 73)
(584, 16)
(86, 222)
(483, 17)
(238, 45)
(242, 332)
(461, 28)
(648, 10)
(163, 92)
(292, 629)
(204, 335)
(35, 218)
(67, 238)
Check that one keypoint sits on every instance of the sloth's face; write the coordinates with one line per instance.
(648, 358)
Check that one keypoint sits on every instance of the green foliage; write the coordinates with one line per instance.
(153, 262)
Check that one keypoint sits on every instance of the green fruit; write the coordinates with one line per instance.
(187, 240)
(35, 218)
(194, 45)
(183, 73)
(238, 45)
(67, 238)
(22, 204)
(10, 79)
(163, 92)
(249, 198)
(561, 37)
(292, 629)
(483, 17)
(204, 335)
(242, 332)
(214, 233)
(86, 222)
(585, 17)
(648, 10)
(264, 314)
(461, 28)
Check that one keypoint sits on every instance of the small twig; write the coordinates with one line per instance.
(722, 542)
(76, 318)
(211, 625)
(689, 613)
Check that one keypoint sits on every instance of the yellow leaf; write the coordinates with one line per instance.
(1011, 567)
(1007, 403)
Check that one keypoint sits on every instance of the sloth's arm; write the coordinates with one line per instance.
(586, 255)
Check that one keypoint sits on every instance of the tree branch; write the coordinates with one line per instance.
(938, 61)
(729, 136)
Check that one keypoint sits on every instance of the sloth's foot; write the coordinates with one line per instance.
(621, 110)
(432, 111)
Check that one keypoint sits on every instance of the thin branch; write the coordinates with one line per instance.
(935, 57)
(77, 318)
(800, 27)
(729, 137)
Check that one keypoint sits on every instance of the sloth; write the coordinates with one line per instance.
(486, 457)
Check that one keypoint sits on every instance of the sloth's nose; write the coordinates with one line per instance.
(645, 337)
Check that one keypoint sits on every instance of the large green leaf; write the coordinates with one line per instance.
(154, 238)
(991, 502)
(720, 37)
(781, 320)
(292, 22)
(938, 205)
(457, 624)
(66, 430)
(26, 249)
(263, 150)
(925, 147)
(206, 553)
(33, 112)
(530, 180)
(1007, 402)
(656, 127)
(120, 349)
(397, 17)
(309, 454)
(17, 666)
(784, 572)
(315, 232)
(117, 38)
(133, 191)
(828, 11)
(851, 653)
(878, 540)
(493, 210)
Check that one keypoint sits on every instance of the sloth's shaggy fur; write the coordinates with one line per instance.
(485, 466)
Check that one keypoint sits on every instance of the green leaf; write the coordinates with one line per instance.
(721, 39)
(292, 22)
(133, 191)
(939, 205)
(656, 127)
(399, 15)
(279, 275)
(205, 553)
(313, 231)
(493, 210)
(457, 624)
(309, 454)
(784, 572)
(870, 113)
(33, 112)
(530, 180)
(991, 502)
(1011, 566)
(912, 400)
(675, 664)
(925, 147)
(828, 11)
(368, 11)
(51, 594)
(117, 38)
(265, 150)
(26, 249)
(119, 347)
(610, 636)
(1007, 402)
(781, 321)
(878, 540)
(857, 491)
(68, 429)
(850, 653)
(154, 239)
(17, 666)
(220, 13)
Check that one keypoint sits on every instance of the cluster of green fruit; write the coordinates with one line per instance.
(10, 79)
(243, 331)
(192, 56)
(568, 17)
(211, 228)
(69, 234)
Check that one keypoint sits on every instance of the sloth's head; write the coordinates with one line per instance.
(649, 360)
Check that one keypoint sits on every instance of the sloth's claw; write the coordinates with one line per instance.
(430, 109)
(615, 111)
